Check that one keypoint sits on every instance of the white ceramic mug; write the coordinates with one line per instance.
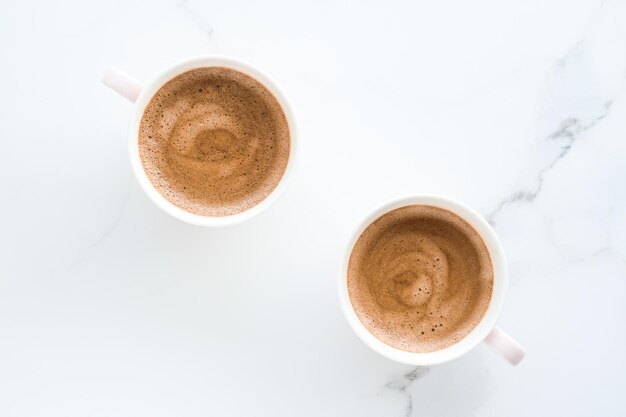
(486, 330)
(141, 96)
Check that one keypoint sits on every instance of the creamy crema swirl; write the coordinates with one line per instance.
(420, 278)
(214, 141)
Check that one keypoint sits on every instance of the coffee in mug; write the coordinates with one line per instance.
(214, 141)
(420, 278)
(423, 281)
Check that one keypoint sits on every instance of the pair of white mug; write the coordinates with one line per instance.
(486, 329)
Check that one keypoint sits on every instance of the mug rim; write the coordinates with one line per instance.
(146, 95)
(487, 322)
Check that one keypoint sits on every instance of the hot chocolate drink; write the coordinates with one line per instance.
(214, 141)
(420, 278)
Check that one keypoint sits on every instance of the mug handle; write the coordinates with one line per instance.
(505, 346)
(122, 83)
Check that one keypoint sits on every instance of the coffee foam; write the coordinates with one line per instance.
(214, 141)
(420, 278)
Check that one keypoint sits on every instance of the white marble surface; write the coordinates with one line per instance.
(108, 307)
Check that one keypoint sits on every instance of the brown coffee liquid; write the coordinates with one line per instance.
(420, 278)
(214, 141)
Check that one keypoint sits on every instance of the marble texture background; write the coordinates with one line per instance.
(108, 307)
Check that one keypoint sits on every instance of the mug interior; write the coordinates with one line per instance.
(144, 99)
(486, 324)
